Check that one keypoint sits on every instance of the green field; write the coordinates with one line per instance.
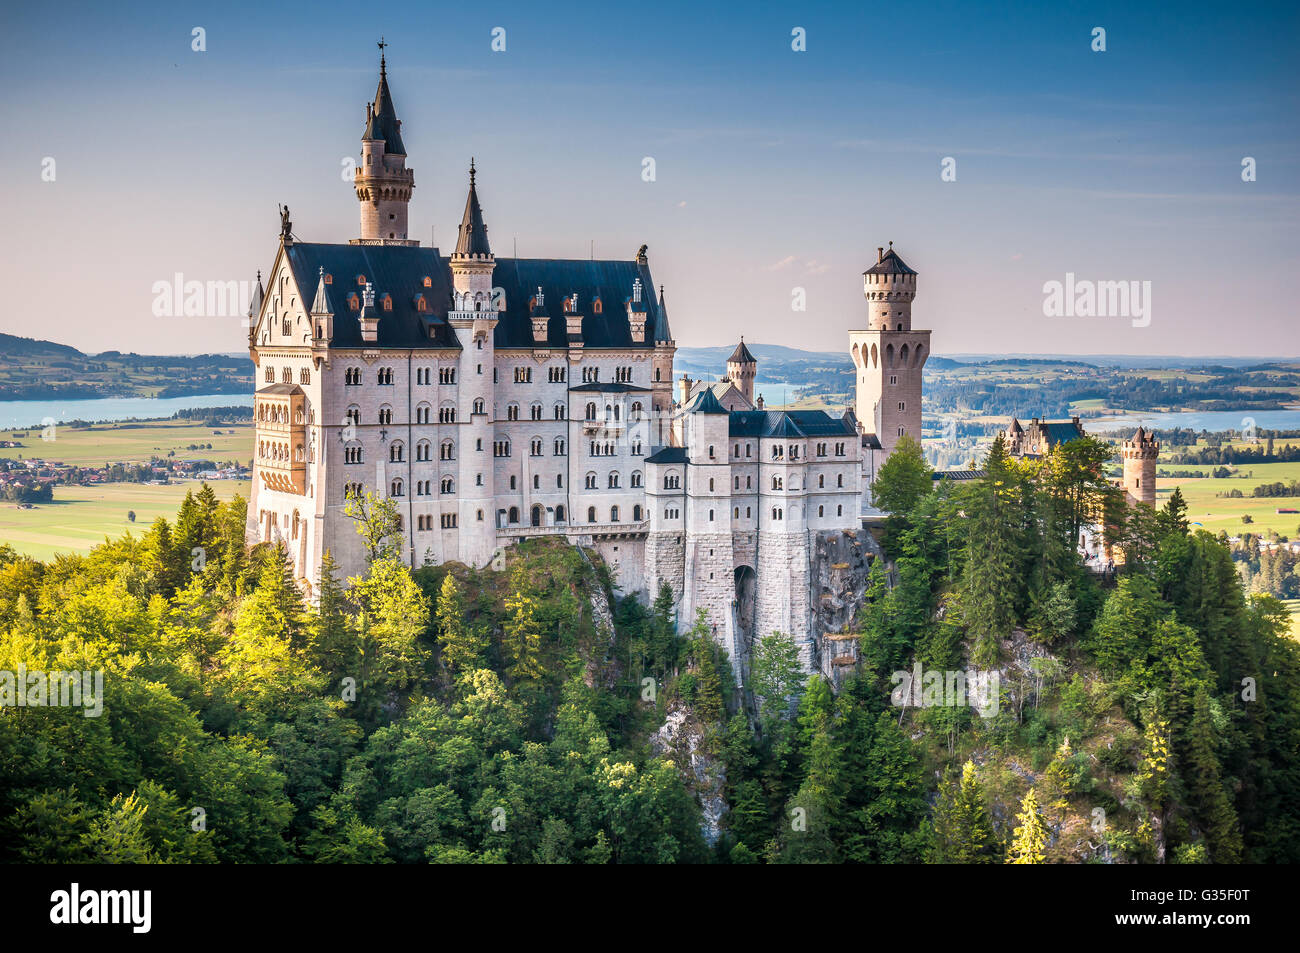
(1216, 513)
(1294, 606)
(81, 516)
(133, 443)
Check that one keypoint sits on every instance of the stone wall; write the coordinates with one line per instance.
(839, 565)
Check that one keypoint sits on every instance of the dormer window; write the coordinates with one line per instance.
(361, 281)
(597, 307)
(329, 279)
(388, 302)
(428, 281)
(420, 304)
(354, 303)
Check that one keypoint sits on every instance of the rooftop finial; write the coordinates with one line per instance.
(471, 171)
(382, 65)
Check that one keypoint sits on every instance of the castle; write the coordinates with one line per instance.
(500, 399)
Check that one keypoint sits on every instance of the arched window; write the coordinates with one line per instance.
(591, 410)
(423, 450)
(396, 488)
(479, 406)
(613, 514)
(636, 478)
(385, 414)
(559, 514)
(513, 515)
(591, 514)
(447, 450)
(396, 452)
(636, 513)
(448, 485)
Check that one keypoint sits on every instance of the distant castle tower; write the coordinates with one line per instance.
(742, 367)
(889, 356)
(1140, 455)
(383, 182)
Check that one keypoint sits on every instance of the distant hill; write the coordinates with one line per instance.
(12, 346)
(32, 369)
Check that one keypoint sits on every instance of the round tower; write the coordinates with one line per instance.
(1140, 455)
(742, 368)
(383, 182)
(888, 355)
(889, 286)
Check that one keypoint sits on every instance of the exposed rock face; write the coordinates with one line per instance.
(680, 739)
(838, 582)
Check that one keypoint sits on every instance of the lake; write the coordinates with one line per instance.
(1215, 420)
(21, 414)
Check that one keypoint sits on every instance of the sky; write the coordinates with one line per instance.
(777, 172)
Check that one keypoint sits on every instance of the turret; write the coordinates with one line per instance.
(1140, 455)
(889, 287)
(473, 317)
(742, 368)
(383, 182)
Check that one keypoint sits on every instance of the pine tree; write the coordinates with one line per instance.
(332, 643)
(522, 635)
(1029, 842)
(963, 833)
(991, 585)
(1201, 772)
(462, 644)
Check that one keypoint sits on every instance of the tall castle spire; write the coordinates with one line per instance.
(383, 182)
(472, 239)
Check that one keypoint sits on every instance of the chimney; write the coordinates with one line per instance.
(880, 253)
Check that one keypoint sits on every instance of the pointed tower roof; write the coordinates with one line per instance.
(706, 403)
(663, 334)
(255, 306)
(381, 117)
(322, 303)
(741, 354)
(473, 238)
(888, 263)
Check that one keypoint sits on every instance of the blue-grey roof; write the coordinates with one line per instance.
(741, 355)
(788, 423)
(1062, 431)
(473, 238)
(668, 455)
(609, 387)
(705, 402)
(890, 264)
(382, 123)
(400, 271)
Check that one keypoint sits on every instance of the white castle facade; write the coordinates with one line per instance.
(499, 399)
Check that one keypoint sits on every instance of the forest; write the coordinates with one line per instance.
(534, 714)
